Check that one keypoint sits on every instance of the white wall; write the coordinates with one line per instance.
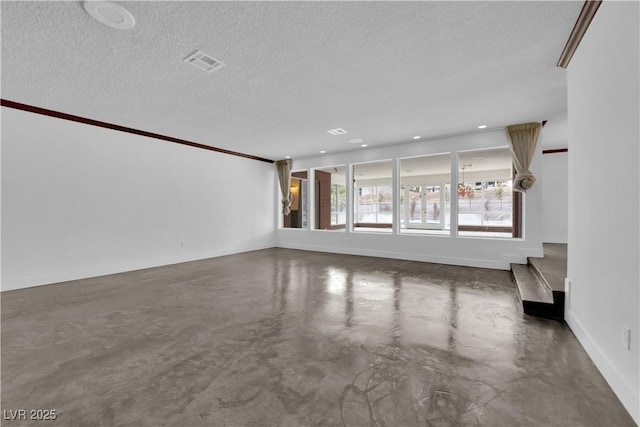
(469, 251)
(604, 154)
(81, 201)
(554, 181)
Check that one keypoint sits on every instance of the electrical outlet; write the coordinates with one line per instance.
(626, 337)
(567, 285)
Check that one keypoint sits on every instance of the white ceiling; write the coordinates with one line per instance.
(384, 71)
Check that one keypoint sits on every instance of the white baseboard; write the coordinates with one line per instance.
(466, 262)
(629, 397)
(58, 277)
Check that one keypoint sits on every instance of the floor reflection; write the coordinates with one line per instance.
(373, 306)
(285, 337)
(434, 347)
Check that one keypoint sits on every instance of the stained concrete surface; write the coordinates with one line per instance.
(291, 338)
(553, 266)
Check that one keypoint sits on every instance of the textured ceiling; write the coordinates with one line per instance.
(384, 71)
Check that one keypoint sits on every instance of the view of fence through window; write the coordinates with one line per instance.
(373, 196)
(425, 194)
(485, 193)
(486, 203)
(338, 204)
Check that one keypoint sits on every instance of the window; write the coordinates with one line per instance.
(372, 197)
(486, 203)
(331, 198)
(299, 188)
(425, 194)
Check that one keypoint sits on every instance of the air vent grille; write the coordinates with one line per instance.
(204, 61)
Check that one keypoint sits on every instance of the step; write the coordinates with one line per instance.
(536, 296)
(530, 286)
(550, 271)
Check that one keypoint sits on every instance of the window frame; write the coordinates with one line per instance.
(372, 227)
(517, 213)
(444, 228)
(317, 205)
(304, 202)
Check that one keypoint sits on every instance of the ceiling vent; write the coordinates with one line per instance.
(204, 61)
(338, 131)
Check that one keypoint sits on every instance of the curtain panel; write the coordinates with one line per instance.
(284, 177)
(523, 139)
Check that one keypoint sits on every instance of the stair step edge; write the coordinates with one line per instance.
(538, 264)
(536, 270)
(530, 287)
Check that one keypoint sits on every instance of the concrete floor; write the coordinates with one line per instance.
(290, 338)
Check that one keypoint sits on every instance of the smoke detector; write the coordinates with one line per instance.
(204, 61)
(111, 14)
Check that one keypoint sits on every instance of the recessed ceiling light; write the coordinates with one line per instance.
(337, 131)
(482, 126)
(322, 152)
(111, 14)
(355, 141)
(363, 145)
(416, 137)
(287, 157)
